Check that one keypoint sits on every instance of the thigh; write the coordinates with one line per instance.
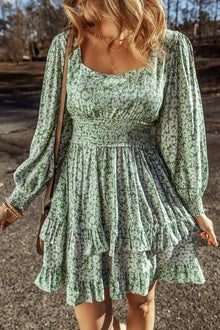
(137, 300)
(91, 315)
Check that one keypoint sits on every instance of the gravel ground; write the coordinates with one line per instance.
(24, 306)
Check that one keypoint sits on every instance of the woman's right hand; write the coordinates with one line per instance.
(207, 229)
(6, 217)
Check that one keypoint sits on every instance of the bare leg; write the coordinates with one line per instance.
(97, 315)
(141, 310)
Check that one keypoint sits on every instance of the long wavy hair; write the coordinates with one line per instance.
(136, 17)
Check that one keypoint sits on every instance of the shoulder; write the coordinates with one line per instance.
(59, 41)
(177, 47)
(174, 36)
(176, 41)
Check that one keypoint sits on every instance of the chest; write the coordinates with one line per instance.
(136, 94)
(93, 53)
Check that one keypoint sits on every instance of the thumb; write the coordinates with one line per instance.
(3, 224)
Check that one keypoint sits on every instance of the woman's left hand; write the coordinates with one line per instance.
(207, 229)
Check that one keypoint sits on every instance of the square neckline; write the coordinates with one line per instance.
(119, 75)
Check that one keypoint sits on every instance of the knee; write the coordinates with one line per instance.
(147, 306)
(143, 307)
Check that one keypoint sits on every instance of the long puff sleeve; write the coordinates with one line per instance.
(32, 176)
(180, 135)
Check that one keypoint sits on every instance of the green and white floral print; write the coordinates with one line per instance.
(122, 212)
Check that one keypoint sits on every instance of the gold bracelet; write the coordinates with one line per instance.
(7, 208)
(13, 210)
(11, 207)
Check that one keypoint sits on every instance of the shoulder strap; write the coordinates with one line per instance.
(63, 95)
(50, 187)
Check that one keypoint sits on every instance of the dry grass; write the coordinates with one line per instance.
(23, 75)
(208, 72)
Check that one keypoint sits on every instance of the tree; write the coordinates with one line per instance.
(17, 35)
(168, 10)
(215, 20)
(177, 12)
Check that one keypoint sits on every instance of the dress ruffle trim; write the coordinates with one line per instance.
(140, 225)
(182, 273)
(50, 279)
(89, 241)
(88, 290)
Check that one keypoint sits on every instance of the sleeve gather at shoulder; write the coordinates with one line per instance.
(180, 135)
(32, 176)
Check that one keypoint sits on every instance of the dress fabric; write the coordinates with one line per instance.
(122, 212)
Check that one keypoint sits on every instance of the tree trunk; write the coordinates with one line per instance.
(168, 10)
(177, 12)
(215, 22)
(200, 21)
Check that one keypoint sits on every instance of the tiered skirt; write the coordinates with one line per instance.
(116, 221)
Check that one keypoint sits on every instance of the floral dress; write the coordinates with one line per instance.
(122, 211)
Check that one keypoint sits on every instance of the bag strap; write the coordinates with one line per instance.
(50, 187)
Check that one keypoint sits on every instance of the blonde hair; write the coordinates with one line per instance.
(138, 17)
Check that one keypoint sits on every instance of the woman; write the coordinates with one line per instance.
(125, 211)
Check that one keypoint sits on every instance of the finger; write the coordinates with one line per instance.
(209, 241)
(204, 235)
(212, 237)
(200, 233)
(3, 224)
